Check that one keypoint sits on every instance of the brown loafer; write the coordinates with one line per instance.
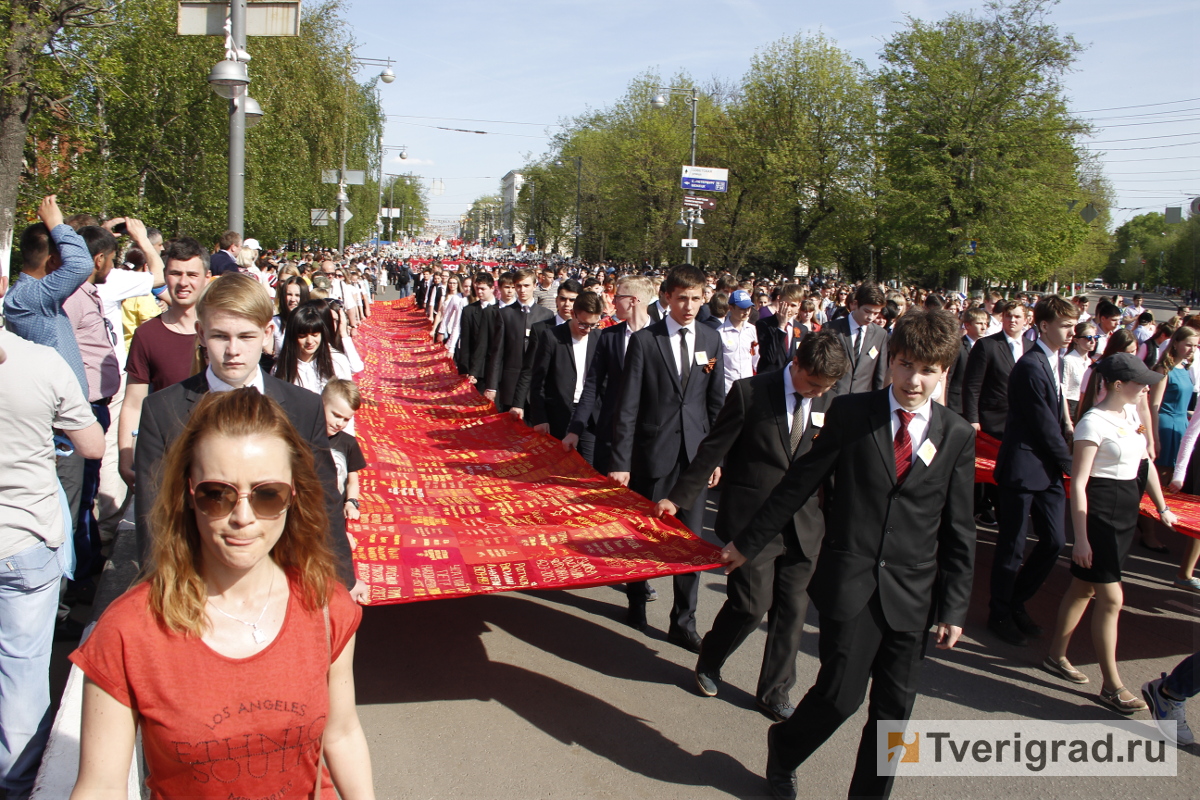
(1113, 700)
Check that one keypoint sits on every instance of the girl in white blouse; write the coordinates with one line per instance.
(306, 358)
(1109, 453)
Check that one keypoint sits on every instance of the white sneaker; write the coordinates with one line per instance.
(1168, 713)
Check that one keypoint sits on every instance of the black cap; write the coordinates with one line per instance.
(1127, 367)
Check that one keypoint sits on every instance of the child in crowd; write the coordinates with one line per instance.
(341, 399)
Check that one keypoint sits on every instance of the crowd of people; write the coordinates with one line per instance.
(213, 388)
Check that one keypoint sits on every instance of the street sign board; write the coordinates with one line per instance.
(1174, 214)
(1194, 208)
(329, 176)
(1089, 213)
(692, 201)
(705, 179)
(355, 177)
(689, 242)
(263, 18)
(320, 216)
(347, 216)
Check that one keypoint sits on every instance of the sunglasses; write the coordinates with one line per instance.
(217, 499)
(1089, 338)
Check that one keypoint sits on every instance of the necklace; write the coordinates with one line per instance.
(259, 636)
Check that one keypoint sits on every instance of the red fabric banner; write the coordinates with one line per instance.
(459, 500)
(1185, 506)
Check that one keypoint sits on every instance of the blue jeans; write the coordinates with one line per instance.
(1181, 683)
(87, 529)
(28, 602)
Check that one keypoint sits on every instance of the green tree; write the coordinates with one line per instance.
(977, 145)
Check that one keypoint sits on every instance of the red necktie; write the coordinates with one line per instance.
(902, 444)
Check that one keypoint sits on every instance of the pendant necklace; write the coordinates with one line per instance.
(259, 636)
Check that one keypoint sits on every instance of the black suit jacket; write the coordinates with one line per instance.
(509, 352)
(985, 387)
(164, 416)
(867, 373)
(221, 262)
(773, 348)
(474, 338)
(419, 287)
(1033, 454)
(602, 386)
(958, 375)
(656, 417)
(914, 543)
(751, 437)
(551, 395)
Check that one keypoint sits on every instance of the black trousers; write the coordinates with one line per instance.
(1014, 582)
(687, 586)
(775, 584)
(852, 652)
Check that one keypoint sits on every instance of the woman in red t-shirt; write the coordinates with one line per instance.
(225, 656)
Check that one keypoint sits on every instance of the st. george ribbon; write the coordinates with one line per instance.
(458, 499)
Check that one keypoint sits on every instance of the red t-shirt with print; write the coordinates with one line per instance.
(214, 726)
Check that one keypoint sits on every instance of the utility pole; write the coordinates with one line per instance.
(237, 127)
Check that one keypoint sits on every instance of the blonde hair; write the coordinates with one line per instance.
(640, 286)
(246, 258)
(239, 294)
(177, 591)
(346, 390)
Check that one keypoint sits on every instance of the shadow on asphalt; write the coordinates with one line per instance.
(441, 656)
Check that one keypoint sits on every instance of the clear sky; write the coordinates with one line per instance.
(486, 65)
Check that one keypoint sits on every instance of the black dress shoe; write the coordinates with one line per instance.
(781, 782)
(706, 682)
(688, 640)
(1008, 631)
(1026, 624)
(776, 711)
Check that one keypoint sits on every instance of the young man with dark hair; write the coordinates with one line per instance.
(225, 259)
(898, 550)
(767, 422)
(1034, 456)
(779, 335)
(562, 356)
(985, 386)
(673, 387)
(1108, 319)
(866, 343)
(511, 344)
(974, 323)
(475, 339)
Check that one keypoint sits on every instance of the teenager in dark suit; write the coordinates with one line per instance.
(898, 552)
(511, 344)
(560, 365)
(420, 286)
(672, 388)
(233, 320)
(601, 389)
(475, 338)
(985, 387)
(779, 335)
(225, 259)
(767, 422)
(974, 323)
(866, 343)
(1034, 456)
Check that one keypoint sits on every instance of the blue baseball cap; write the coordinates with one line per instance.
(741, 299)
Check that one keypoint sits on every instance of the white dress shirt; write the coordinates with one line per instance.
(854, 328)
(629, 332)
(789, 399)
(918, 426)
(1016, 346)
(741, 351)
(673, 329)
(215, 384)
(1052, 356)
(579, 348)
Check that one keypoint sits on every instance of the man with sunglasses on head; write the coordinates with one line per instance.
(233, 319)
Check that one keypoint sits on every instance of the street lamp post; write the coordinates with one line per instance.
(387, 75)
(403, 148)
(229, 79)
(690, 216)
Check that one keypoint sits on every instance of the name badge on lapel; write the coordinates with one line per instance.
(927, 452)
(817, 419)
(873, 352)
(701, 358)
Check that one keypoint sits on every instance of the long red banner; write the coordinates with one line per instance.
(459, 500)
(1185, 506)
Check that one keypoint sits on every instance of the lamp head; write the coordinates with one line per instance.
(254, 112)
(403, 153)
(229, 79)
(387, 76)
(659, 100)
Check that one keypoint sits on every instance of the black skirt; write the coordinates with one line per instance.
(1111, 524)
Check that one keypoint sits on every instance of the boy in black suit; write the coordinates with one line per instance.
(672, 388)
(474, 342)
(767, 422)
(866, 342)
(898, 552)
(511, 343)
(779, 334)
(560, 364)
(1033, 458)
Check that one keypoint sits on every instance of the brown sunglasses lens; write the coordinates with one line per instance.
(215, 499)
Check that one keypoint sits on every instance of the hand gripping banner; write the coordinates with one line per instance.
(458, 499)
